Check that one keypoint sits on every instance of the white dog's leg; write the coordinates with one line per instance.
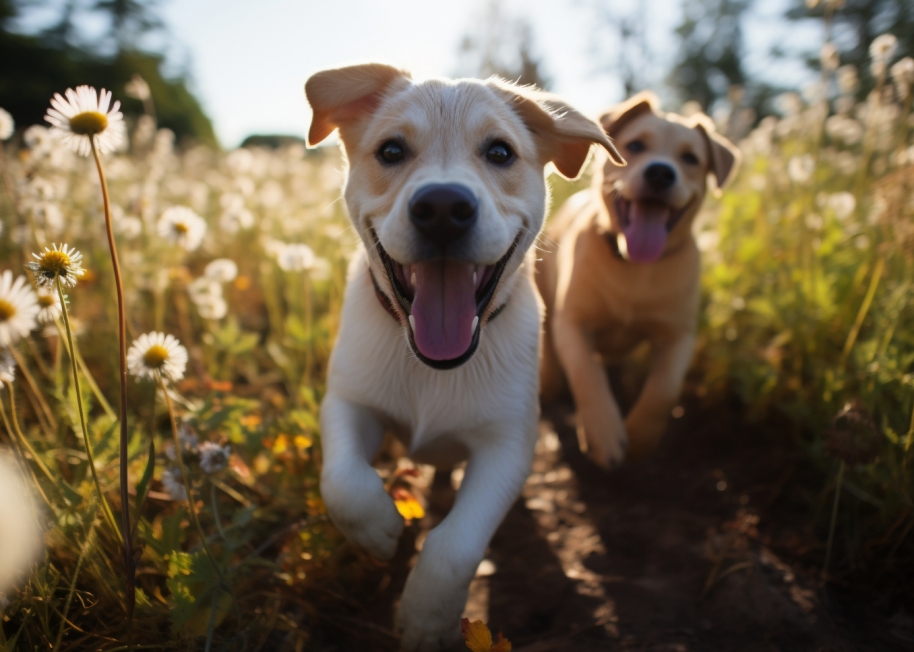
(351, 488)
(436, 590)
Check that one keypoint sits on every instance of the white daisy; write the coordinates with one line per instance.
(157, 355)
(222, 270)
(137, 88)
(882, 47)
(18, 308)
(57, 261)
(37, 138)
(83, 115)
(182, 226)
(171, 481)
(7, 367)
(295, 257)
(213, 457)
(215, 308)
(203, 290)
(49, 303)
(7, 125)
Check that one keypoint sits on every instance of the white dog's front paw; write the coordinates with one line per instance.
(604, 442)
(363, 511)
(433, 602)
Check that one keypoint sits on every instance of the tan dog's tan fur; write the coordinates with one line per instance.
(600, 306)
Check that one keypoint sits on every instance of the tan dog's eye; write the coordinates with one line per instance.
(391, 152)
(636, 146)
(689, 158)
(499, 153)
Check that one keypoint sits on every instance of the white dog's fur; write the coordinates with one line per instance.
(484, 411)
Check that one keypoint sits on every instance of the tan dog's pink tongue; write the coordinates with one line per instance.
(444, 306)
(645, 235)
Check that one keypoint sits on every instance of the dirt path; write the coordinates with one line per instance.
(699, 548)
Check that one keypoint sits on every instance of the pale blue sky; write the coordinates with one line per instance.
(249, 59)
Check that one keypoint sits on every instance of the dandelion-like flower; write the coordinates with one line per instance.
(213, 457)
(6, 124)
(18, 308)
(83, 115)
(182, 226)
(157, 356)
(882, 48)
(49, 306)
(171, 481)
(903, 74)
(800, 168)
(295, 257)
(7, 367)
(55, 262)
(223, 270)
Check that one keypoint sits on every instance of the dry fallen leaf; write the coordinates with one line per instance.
(479, 639)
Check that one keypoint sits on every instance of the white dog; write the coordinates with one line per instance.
(440, 326)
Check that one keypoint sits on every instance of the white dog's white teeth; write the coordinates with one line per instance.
(412, 322)
(475, 324)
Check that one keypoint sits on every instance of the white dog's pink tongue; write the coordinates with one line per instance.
(443, 310)
(645, 235)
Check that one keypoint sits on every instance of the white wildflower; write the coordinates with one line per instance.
(55, 262)
(295, 258)
(49, 302)
(82, 116)
(20, 534)
(7, 367)
(801, 168)
(213, 457)
(18, 308)
(157, 356)
(223, 270)
(883, 47)
(7, 125)
(174, 486)
(182, 226)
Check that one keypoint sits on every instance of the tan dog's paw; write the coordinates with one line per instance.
(363, 511)
(644, 432)
(604, 444)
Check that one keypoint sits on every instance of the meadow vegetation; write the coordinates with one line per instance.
(241, 256)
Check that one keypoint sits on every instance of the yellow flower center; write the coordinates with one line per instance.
(54, 263)
(155, 356)
(7, 310)
(46, 300)
(88, 123)
(181, 228)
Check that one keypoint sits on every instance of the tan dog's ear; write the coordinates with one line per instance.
(617, 117)
(343, 96)
(724, 155)
(563, 134)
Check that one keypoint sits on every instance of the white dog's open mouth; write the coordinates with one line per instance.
(444, 301)
(645, 225)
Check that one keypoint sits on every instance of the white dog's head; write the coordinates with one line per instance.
(446, 187)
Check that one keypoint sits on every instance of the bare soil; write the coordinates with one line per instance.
(708, 545)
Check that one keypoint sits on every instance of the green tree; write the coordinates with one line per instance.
(52, 60)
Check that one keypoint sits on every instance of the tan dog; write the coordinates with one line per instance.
(440, 328)
(626, 270)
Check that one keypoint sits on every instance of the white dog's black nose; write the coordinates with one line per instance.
(659, 176)
(443, 211)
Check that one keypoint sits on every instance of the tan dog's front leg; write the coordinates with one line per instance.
(647, 420)
(601, 432)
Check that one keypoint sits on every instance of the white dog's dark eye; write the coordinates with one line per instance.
(391, 152)
(635, 146)
(499, 153)
(689, 158)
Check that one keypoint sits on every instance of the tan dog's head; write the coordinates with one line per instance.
(446, 188)
(653, 201)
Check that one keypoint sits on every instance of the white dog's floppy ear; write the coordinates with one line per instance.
(564, 134)
(616, 118)
(724, 155)
(343, 96)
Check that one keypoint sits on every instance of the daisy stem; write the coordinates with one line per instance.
(122, 359)
(24, 461)
(106, 509)
(88, 376)
(14, 417)
(190, 493)
(45, 410)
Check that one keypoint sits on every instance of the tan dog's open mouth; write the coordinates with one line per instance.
(444, 301)
(645, 225)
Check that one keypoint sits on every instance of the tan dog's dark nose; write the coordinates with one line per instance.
(659, 176)
(443, 212)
